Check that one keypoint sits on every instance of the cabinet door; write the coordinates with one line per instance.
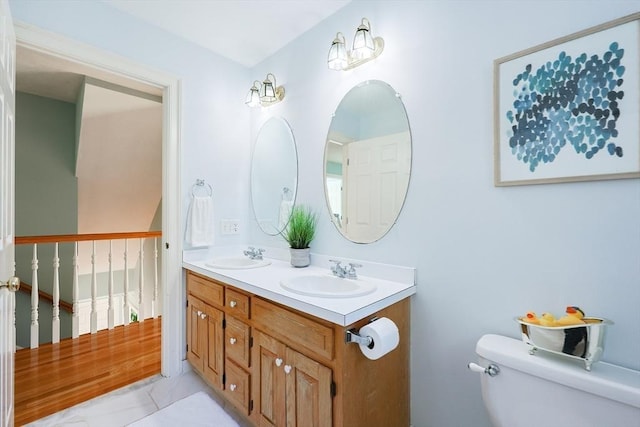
(268, 381)
(213, 362)
(308, 385)
(196, 333)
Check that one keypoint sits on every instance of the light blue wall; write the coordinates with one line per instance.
(483, 254)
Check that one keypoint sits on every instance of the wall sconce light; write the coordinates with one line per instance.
(264, 94)
(365, 48)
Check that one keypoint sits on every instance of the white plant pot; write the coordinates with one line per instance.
(300, 257)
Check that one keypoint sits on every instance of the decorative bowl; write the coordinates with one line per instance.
(583, 342)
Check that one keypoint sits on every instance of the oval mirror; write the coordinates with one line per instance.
(367, 161)
(274, 175)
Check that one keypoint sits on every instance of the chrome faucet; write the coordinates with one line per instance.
(339, 270)
(254, 253)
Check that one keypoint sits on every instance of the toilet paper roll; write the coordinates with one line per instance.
(385, 338)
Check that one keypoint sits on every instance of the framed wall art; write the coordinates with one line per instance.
(569, 110)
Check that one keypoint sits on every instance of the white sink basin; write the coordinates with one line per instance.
(236, 263)
(328, 286)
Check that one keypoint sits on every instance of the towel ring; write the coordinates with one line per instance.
(201, 184)
(287, 195)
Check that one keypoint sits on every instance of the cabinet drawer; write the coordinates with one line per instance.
(207, 290)
(297, 330)
(237, 336)
(237, 304)
(237, 386)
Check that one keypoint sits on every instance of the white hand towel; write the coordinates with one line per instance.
(200, 221)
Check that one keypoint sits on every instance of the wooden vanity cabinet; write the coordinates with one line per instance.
(286, 368)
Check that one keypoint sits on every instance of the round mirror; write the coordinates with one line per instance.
(274, 175)
(367, 161)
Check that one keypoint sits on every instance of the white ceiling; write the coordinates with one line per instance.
(245, 31)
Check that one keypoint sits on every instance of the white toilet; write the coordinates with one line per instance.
(524, 390)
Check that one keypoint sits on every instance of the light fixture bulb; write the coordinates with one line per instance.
(363, 45)
(268, 91)
(338, 58)
(253, 97)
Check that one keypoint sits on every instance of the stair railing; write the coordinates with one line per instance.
(112, 309)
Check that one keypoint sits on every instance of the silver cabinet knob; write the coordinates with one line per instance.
(232, 341)
(287, 369)
(278, 362)
(232, 387)
(233, 304)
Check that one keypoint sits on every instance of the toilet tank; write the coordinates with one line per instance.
(549, 390)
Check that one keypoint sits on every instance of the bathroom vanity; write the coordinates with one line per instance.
(283, 360)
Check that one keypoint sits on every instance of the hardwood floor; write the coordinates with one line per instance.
(57, 376)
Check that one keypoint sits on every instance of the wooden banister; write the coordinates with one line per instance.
(64, 238)
(26, 288)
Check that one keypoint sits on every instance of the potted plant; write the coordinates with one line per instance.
(299, 233)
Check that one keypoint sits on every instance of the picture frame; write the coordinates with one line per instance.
(569, 110)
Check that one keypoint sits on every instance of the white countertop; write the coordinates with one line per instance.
(265, 282)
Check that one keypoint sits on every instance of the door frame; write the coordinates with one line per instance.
(173, 327)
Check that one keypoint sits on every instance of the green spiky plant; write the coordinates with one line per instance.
(301, 228)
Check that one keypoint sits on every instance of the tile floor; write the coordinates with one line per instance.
(126, 405)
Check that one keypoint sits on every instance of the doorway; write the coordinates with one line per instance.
(108, 67)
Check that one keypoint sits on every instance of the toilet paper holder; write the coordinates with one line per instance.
(352, 336)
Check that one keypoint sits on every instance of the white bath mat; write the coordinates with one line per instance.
(197, 410)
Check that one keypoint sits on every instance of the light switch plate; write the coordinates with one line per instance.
(230, 226)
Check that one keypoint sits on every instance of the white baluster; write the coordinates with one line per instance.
(154, 302)
(141, 284)
(75, 317)
(35, 331)
(55, 324)
(94, 290)
(111, 311)
(127, 307)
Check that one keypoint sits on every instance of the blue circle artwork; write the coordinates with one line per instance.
(567, 100)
